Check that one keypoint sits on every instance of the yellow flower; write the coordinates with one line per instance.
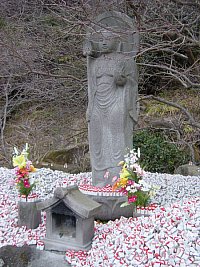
(32, 168)
(124, 173)
(124, 168)
(19, 161)
(115, 186)
(123, 181)
(121, 163)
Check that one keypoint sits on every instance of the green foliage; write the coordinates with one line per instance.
(50, 21)
(157, 154)
(2, 23)
(155, 108)
(23, 190)
(188, 129)
(143, 199)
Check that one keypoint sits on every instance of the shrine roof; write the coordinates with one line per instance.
(74, 199)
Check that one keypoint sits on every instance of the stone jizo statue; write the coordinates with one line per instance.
(112, 95)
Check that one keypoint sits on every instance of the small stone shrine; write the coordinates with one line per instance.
(70, 219)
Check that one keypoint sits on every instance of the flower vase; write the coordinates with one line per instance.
(28, 215)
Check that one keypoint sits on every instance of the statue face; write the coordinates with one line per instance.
(107, 42)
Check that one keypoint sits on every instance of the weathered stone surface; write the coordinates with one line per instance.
(73, 199)
(110, 207)
(29, 256)
(47, 259)
(2, 263)
(15, 256)
(188, 170)
(28, 215)
(74, 159)
(69, 219)
(112, 92)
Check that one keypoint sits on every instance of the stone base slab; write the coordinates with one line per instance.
(56, 245)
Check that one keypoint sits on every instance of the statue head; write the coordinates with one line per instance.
(111, 31)
(107, 42)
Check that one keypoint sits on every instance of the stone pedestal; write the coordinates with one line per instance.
(110, 209)
(28, 215)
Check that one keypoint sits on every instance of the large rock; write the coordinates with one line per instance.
(188, 170)
(74, 159)
(2, 263)
(29, 256)
(12, 256)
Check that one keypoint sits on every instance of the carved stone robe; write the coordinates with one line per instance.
(111, 113)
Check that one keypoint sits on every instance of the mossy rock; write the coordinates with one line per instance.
(188, 170)
(72, 160)
(12, 256)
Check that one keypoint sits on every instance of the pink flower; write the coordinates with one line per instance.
(130, 182)
(123, 191)
(114, 179)
(138, 169)
(26, 183)
(132, 199)
(106, 175)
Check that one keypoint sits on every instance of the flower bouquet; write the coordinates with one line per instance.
(131, 182)
(23, 170)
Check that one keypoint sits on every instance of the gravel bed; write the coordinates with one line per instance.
(169, 237)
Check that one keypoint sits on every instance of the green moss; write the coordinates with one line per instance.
(2, 23)
(161, 109)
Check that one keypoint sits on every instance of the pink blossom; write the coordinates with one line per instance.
(26, 183)
(106, 175)
(138, 169)
(17, 170)
(114, 179)
(123, 191)
(132, 199)
(130, 182)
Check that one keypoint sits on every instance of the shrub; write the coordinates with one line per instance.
(158, 154)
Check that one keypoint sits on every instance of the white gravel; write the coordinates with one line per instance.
(170, 237)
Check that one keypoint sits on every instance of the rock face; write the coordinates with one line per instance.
(71, 160)
(188, 170)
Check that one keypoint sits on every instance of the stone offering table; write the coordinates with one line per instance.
(110, 203)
